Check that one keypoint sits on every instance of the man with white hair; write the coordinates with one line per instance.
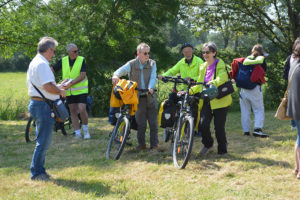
(40, 75)
(143, 71)
(74, 67)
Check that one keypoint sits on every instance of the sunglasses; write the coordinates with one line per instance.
(147, 53)
(76, 51)
(206, 52)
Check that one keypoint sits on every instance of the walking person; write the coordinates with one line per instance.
(143, 71)
(40, 75)
(248, 73)
(74, 67)
(213, 72)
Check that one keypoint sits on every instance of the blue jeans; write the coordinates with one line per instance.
(293, 123)
(41, 113)
(297, 122)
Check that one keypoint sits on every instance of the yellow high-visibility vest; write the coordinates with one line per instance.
(78, 88)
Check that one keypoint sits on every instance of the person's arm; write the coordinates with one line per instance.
(53, 89)
(174, 70)
(122, 71)
(57, 66)
(80, 78)
(152, 82)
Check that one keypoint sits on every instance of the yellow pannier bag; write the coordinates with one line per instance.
(124, 92)
(161, 109)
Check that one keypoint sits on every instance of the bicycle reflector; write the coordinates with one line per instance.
(211, 92)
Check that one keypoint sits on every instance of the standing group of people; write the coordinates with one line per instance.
(213, 72)
(143, 70)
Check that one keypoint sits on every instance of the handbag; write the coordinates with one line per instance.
(226, 88)
(282, 108)
(58, 108)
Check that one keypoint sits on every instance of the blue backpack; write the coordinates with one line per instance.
(243, 77)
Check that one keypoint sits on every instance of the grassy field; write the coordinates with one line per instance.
(254, 168)
(13, 95)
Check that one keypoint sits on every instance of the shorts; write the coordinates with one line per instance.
(81, 98)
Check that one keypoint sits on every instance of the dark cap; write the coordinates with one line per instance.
(186, 45)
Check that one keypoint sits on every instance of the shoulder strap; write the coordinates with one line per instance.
(225, 69)
(287, 89)
(46, 100)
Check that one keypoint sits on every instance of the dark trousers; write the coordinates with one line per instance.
(147, 111)
(219, 116)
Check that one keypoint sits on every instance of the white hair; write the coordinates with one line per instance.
(46, 43)
(142, 46)
(70, 46)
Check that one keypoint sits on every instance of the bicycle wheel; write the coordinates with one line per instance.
(30, 131)
(183, 142)
(117, 139)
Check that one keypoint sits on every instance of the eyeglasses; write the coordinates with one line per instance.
(147, 53)
(206, 52)
(76, 51)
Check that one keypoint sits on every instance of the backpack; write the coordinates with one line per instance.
(243, 78)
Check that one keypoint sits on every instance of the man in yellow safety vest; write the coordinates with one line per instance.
(74, 69)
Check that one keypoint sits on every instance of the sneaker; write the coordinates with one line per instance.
(293, 128)
(41, 177)
(258, 133)
(77, 135)
(247, 133)
(86, 135)
(205, 150)
(48, 175)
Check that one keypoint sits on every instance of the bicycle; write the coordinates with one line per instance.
(30, 130)
(121, 131)
(182, 131)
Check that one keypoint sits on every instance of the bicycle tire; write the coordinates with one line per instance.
(118, 139)
(30, 131)
(183, 142)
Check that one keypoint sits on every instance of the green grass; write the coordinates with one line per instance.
(13, 95)
(254, 168)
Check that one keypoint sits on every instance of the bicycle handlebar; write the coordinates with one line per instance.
(178, 79)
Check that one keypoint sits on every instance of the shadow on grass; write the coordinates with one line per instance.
(208, 161)
(96, 188)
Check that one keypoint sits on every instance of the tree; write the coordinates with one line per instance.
(278, 20)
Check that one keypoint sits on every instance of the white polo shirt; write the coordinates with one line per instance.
(39, 73)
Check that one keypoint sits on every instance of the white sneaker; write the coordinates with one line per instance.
(86, 135)
(78, 135)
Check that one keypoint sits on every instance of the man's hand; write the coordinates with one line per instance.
(209, 83)
(151, 90)
(115, 79)
(159, 77)
(63, 93)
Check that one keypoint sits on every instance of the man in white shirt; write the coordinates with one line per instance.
(40, 74)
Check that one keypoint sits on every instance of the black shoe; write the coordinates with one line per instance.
(247, 133)
(258, 133)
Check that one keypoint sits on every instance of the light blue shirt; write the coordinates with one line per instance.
(125, 69)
